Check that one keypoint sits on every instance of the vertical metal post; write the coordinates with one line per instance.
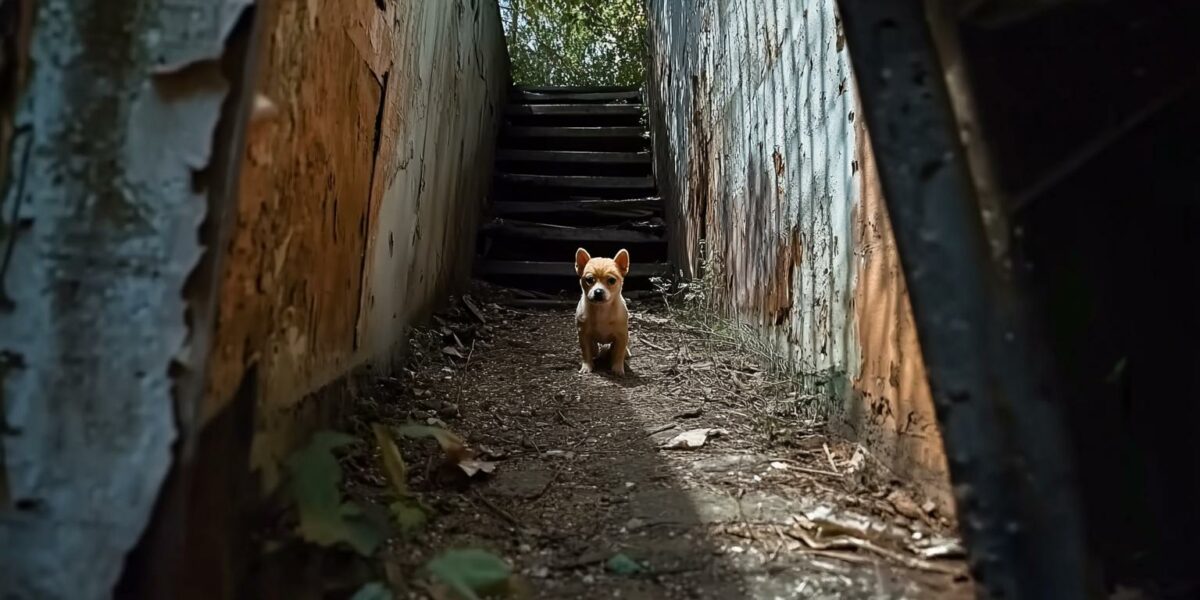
(1005, 441)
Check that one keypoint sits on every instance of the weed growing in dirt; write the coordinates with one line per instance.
(699, 306)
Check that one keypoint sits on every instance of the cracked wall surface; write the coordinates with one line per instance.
(774, 191)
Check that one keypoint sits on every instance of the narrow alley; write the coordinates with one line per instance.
(591, 492)
(290, 299)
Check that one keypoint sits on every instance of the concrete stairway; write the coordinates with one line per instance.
(573, 168)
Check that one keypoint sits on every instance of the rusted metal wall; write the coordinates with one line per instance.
(761, 155)
(118, 132)
(359, 199)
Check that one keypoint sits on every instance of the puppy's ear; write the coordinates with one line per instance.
(581, 260)
(622, 260)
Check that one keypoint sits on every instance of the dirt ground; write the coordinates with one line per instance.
(768, 507)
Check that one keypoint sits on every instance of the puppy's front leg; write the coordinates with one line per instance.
(587, 348)
(620, 349)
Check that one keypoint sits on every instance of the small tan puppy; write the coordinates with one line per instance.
(601, 316)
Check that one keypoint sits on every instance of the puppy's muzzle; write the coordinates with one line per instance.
(597, 295)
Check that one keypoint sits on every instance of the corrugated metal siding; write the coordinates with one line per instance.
(760, 152)
(359, 202)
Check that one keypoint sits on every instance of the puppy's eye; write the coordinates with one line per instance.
(612, 281)
(590, 279)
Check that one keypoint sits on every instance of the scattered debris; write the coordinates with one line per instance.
(692, 439)
(857, 461)
(472, 466)
(905, 505)
(829, 455)
(844, 542)
(944, 548)
(660, 429)
(584, 476)
(474, 310)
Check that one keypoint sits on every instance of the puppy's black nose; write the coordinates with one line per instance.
(597, 294)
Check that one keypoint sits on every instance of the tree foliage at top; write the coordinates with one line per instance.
(576, 42)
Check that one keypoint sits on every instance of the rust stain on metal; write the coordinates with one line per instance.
(892, 409)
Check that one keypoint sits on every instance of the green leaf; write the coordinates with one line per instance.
(372, 591)
(470, 572)
(409, 515)
(621, 564)
(314, 484)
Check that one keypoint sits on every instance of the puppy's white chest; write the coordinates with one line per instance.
(603, 323)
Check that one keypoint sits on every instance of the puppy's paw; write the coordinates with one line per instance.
(585, 367)
(618, 370)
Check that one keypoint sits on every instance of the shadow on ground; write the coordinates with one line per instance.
(581, 476)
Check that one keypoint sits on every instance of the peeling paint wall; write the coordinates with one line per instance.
(158, 340)
(359, 201)
(761, 155)
(112, 153)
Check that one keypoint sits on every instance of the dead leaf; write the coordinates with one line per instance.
(452, 351)
(905, 505)
(472, 467)
(690, 413)
(692, 439)
(857, 461)
(393, 463)
(474, 310)
(929, 507)
(451, 444)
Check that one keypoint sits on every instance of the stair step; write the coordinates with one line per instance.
(576, 89)
(580, 181)
(633, 208)
(560, 269)
(575, 132)
(578, 97)
(573, 156)
(563, 233)
(590, 110)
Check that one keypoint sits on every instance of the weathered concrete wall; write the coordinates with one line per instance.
(359, 201)
(758, 146)
(117, 132)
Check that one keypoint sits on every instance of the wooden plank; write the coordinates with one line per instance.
(590, 110)
(575, 132)
(562, 233)
(573, 156)
(561, 268)
(578, 97)
(580, 181)
(633, 208)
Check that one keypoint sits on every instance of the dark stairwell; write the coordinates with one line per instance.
(573, 168)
